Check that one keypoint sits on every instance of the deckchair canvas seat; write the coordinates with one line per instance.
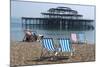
(48, 47)
(66, 47)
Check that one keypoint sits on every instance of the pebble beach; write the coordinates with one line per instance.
(23, 53)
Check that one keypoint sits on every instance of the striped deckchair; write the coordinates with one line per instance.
(66, 46)
(74, 37)
(81, 38)
(47, 43)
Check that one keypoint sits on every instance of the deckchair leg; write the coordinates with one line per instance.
(71, 53)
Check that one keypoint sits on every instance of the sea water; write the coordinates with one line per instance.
(17, 33)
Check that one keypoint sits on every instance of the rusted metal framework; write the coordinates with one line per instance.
(62, 17)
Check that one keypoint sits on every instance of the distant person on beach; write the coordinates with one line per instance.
(29, 37)
(35, 37)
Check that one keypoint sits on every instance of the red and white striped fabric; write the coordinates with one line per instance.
(74, 37)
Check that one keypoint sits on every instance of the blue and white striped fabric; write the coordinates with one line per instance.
(81, 37)
(48, 44)
(65, 45)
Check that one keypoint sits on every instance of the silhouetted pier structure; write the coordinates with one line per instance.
(60, 17)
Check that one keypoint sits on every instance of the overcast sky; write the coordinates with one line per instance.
(33, 9)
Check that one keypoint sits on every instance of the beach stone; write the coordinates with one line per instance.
(23, 51)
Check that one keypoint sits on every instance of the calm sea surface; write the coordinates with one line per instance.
(17, 33)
